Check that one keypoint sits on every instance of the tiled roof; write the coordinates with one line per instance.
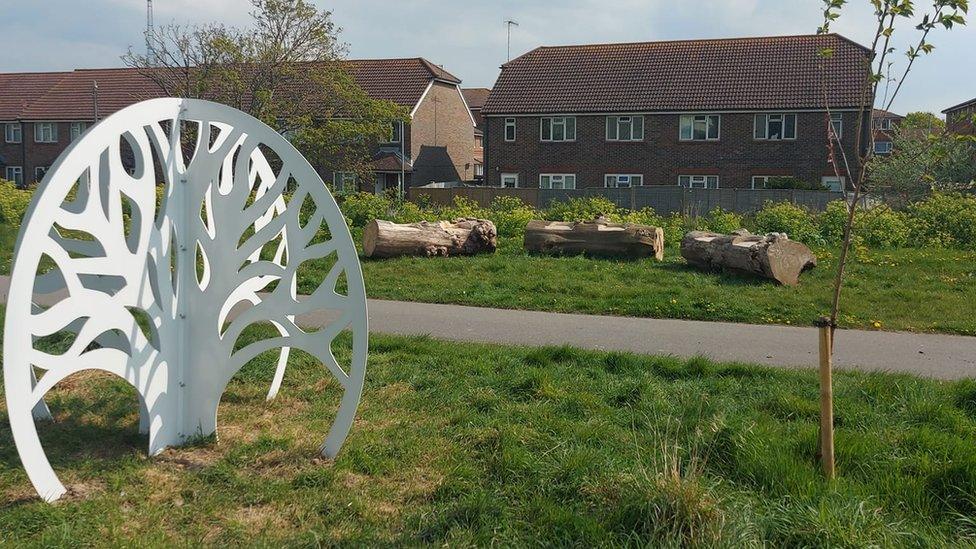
(960, 106)
(402, 81)
(718, 74)
(475, 97)
(68, 95)
(881, 113)
(386, 161)
(18, 90)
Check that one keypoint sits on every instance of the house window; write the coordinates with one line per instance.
(882, 123)
(621, 181)
(509, 129)
(45, 132)
(557, 181)
(479, 170)
(76, 129)
(837, 123)
(833, 183)
(775, 126)
(510, 180)
(15, 174)
(479, 142)
(882, 147)
(39, 172)
(559, 128)
(13, 132)
(625, 128)
(396, 132)
(699, 127)
(762, 181)
(698, 181)
(344, 182)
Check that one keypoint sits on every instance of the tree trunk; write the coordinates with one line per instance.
(598, 238)
(772, 256)
(446, 238)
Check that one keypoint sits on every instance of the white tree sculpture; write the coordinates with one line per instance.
(160, 295)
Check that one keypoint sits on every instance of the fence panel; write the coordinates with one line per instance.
(664, 199)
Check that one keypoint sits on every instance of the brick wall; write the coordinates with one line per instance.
(30, 155)
(961, 121)
(661, 157)
(442, 137)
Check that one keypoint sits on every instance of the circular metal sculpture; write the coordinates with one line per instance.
(160, 289)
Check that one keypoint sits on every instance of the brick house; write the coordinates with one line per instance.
(41, 113)
(883, 123)
(475, 97)
(959, 118)
(698, 113)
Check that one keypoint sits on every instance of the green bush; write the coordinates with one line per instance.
(361, 208)
(787, 182)
(721, 221)
(13, 203)
(463, 207)
(945, 220)
(785, 217)
(832, 222)
(582, 209)
(511, 215)
(882, 227)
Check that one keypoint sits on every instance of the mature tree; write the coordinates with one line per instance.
(925, 158)
(285, 69)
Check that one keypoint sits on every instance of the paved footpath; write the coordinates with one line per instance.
(932, 355)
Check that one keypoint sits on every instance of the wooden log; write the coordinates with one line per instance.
(772, 256)
(445, 238)
(598, 238)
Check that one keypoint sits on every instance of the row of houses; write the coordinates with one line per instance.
(697, 113)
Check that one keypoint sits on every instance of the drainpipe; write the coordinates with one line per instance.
(23, 153)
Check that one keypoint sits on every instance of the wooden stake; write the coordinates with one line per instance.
(826, 397)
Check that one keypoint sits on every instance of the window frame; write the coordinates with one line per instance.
(509, 175)
(563, 121)
(705, 179)
(614, 120)
(837, 123)
(78, 127)
(842, 180)
(752, 181)
(40, 172)
(561, 176)
(8, 130)
(18, 175)
(890, 147)
(39, 132)
(616, 179)
(511, 123)
(767, 116)
(693, 117)
(340, 180)
(396, 133)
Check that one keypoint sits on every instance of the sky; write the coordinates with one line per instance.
(468, 37)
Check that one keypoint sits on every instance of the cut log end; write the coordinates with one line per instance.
(772, 256)
(426, 239)
(596, 238)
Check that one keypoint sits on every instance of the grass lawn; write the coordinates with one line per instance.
(903, 289)
(479, 444)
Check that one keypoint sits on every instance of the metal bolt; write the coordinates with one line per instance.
(182, 316)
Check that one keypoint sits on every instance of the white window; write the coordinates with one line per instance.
(613, 180)
(762, 181)
(76, 129)
(882, 147)
(882, 123)
(699, 127)
(510, 180)
(775, 126)
(558, 128)
(557, 181)
(625, 128)
(39, 172)
(479, 170)
(509, 129)
(45, 132)
(13, 132)
(698, 181)
(837, 123)
(15, 174)
(833, 183)
(344, 182)
(396, 132)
